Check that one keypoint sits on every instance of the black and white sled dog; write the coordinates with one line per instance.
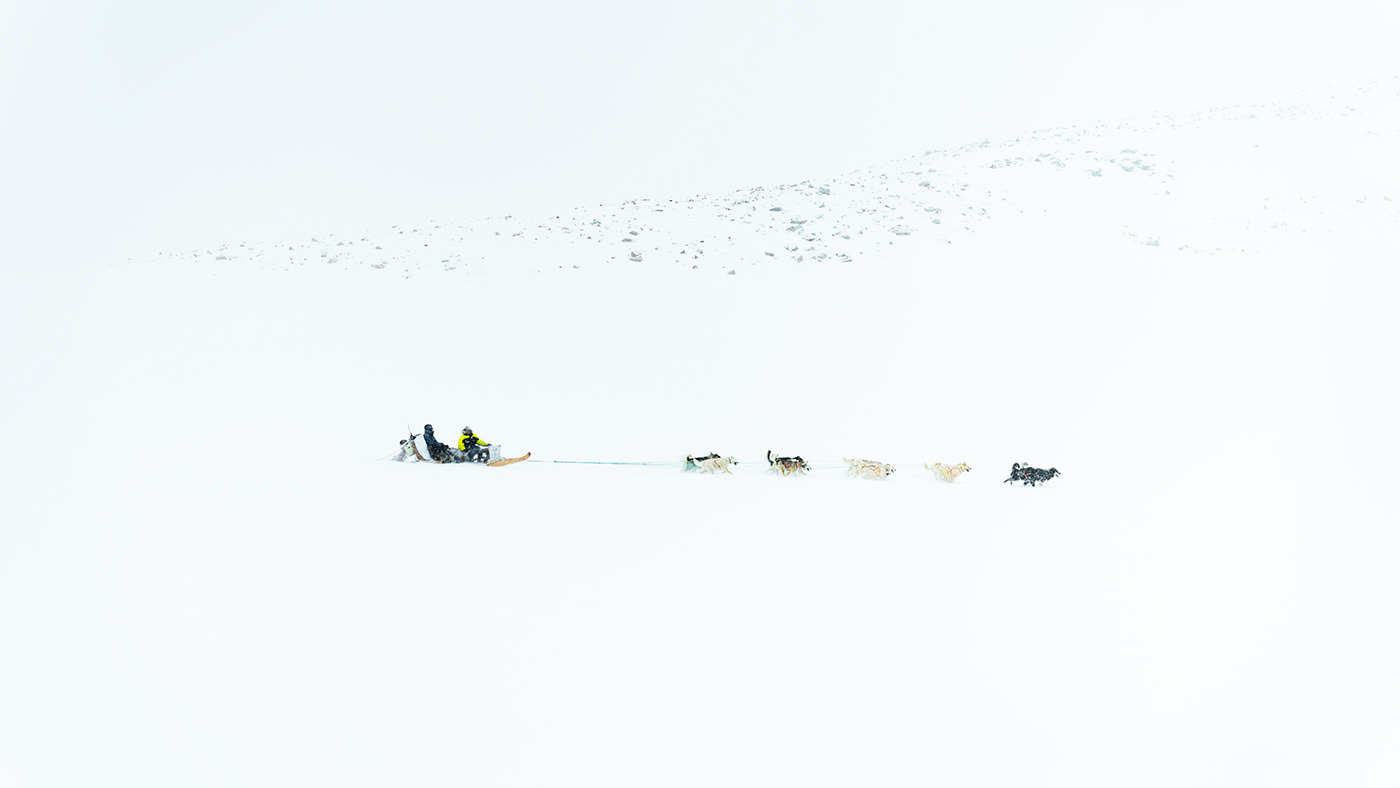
(1025, 474)
(787, 466)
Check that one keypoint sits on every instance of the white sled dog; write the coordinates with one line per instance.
(717, 464)
(787, 466)
(868, 469)
(692, 462)
(948, 472)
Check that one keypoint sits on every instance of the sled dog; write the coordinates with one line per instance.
(787, 466)
(717, 465)
(868, 469)
(948, 472)
(1025, 474)
(692, 462)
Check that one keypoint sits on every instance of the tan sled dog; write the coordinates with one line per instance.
(948, 472)
(868, 469)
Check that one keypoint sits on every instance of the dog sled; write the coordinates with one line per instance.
(408, 452)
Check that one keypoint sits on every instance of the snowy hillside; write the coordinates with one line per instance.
(210, 575)
(1223, 180)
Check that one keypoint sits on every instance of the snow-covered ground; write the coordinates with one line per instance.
(211, 576)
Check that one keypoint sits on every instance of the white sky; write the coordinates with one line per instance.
(130, 128)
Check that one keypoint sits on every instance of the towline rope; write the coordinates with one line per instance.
(762, 461)
(603, 462)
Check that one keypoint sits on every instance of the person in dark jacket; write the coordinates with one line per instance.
(437, 450)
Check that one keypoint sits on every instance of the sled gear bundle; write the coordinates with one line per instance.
(409, 448)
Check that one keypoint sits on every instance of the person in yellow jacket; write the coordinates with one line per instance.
(472, 447)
